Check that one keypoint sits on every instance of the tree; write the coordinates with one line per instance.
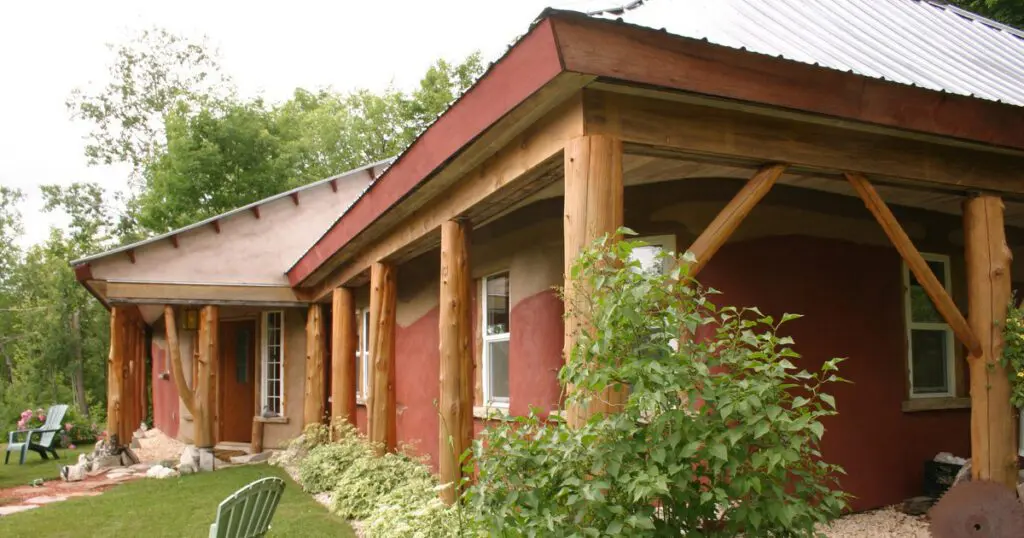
(1009, 12)
(10, 257)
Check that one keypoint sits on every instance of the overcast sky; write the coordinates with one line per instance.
(49, 48)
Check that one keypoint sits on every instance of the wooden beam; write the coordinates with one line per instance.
(255, 211)
(726, 222)
(295, 197)
(203, 416)
(313, 401)
(216, 225)
(128, 393)
(145, 292)
(344, 346)
(993, 429)
(663, 126)
(593, 208)
(174, 240)
(918, 266)
(115, 378)
(334, 185)
(503, 172)
(131, 255)
(256, 444)
(383, 415)
(456, 373)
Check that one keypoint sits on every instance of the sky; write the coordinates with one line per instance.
(47, 49)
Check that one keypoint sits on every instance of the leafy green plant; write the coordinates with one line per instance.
(718, 435)
(325, 464)
(1013, 352)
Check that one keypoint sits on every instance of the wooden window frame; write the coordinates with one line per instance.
(485, 356)
(264, 361)
(910, 325)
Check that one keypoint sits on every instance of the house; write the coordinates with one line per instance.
(861, 163)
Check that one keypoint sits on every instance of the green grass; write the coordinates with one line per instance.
(12, 475)
(182, 506)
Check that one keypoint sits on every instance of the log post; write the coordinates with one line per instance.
(202, 417)
(993, 439)
(593, 208)
(313, 402)
(184, 391)
(456, 372)
(256, 444)
(115, 377)
(128, 402)
(344, 346)
(383, 432)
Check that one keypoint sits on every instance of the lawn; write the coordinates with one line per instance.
(21, 475)
(182, 506)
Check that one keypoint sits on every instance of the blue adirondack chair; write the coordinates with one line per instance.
(40, 440)
(247, 512)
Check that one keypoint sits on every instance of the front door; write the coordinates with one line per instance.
(237, 379)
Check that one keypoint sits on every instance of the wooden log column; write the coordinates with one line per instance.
(115, 376)
(593, 208)
(456, 372)
(313, 401)
(344, 345)
(203, 412)
(993, 439)
(383, 415)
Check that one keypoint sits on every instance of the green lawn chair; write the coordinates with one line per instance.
(247, 512)
(46, 437)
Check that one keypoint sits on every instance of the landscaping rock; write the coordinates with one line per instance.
(251, 458)
(141, 467)
(46, 499)
(14, 509)
(186, 468)
(100, 463)
(160, 471)
(190, 456)
(917, 506)
(207, 461)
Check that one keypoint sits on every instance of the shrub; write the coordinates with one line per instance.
(76, 429)
(362, 485)
(1013, 352)
(718, 435)
(324, 465)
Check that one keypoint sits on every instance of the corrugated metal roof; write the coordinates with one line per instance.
(916, 42)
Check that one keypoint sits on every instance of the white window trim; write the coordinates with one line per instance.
(666, 242)
(490, 401)
(264, 357)
(911, 325)
(363, 354)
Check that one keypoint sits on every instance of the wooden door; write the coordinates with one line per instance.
(237, 380)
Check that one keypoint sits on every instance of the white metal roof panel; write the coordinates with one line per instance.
(915, 42)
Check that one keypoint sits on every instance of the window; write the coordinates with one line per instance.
(647, 255)
(272, 343)
(363, 355)
(929, 338)
(496, 332)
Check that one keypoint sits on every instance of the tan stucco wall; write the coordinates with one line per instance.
(248, 250)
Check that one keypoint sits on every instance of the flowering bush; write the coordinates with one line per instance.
(1013, 352)
(75, 430)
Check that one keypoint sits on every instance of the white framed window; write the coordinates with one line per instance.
(647, 255)
(496, 329)
(931, 360)
(363, 355)
(272, 356)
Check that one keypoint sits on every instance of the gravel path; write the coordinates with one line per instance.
(884, 523)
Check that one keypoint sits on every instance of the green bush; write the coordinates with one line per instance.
(364, 484)
(718, 436)
(325, 464)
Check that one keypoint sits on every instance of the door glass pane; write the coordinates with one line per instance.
(242, 337)
(929, 354)
(497, 304)
(498, 356)
(921, 307)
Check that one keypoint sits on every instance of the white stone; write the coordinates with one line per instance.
(207, 462)
(186, 468)
(46, 499)
(106, 462)
(14, 509)
(251, 458)
(159, 471)
(190, 456)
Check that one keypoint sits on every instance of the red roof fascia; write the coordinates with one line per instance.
(526, 68)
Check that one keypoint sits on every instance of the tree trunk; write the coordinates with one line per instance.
(78, 376)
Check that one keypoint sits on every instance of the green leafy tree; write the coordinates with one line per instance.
(1009, 12)
(719, 436)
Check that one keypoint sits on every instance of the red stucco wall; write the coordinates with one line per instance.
(417, 385)
(850, 296)
(535, 350)
(165, 394)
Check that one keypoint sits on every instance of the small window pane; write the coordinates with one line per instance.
(498, 356)
(497, 304)
(922, 310)
(929, 355)
(649, 260)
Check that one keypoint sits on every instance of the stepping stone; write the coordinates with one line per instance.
(46, 499)
(140, 467)
(251, 458)
(14, 509)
